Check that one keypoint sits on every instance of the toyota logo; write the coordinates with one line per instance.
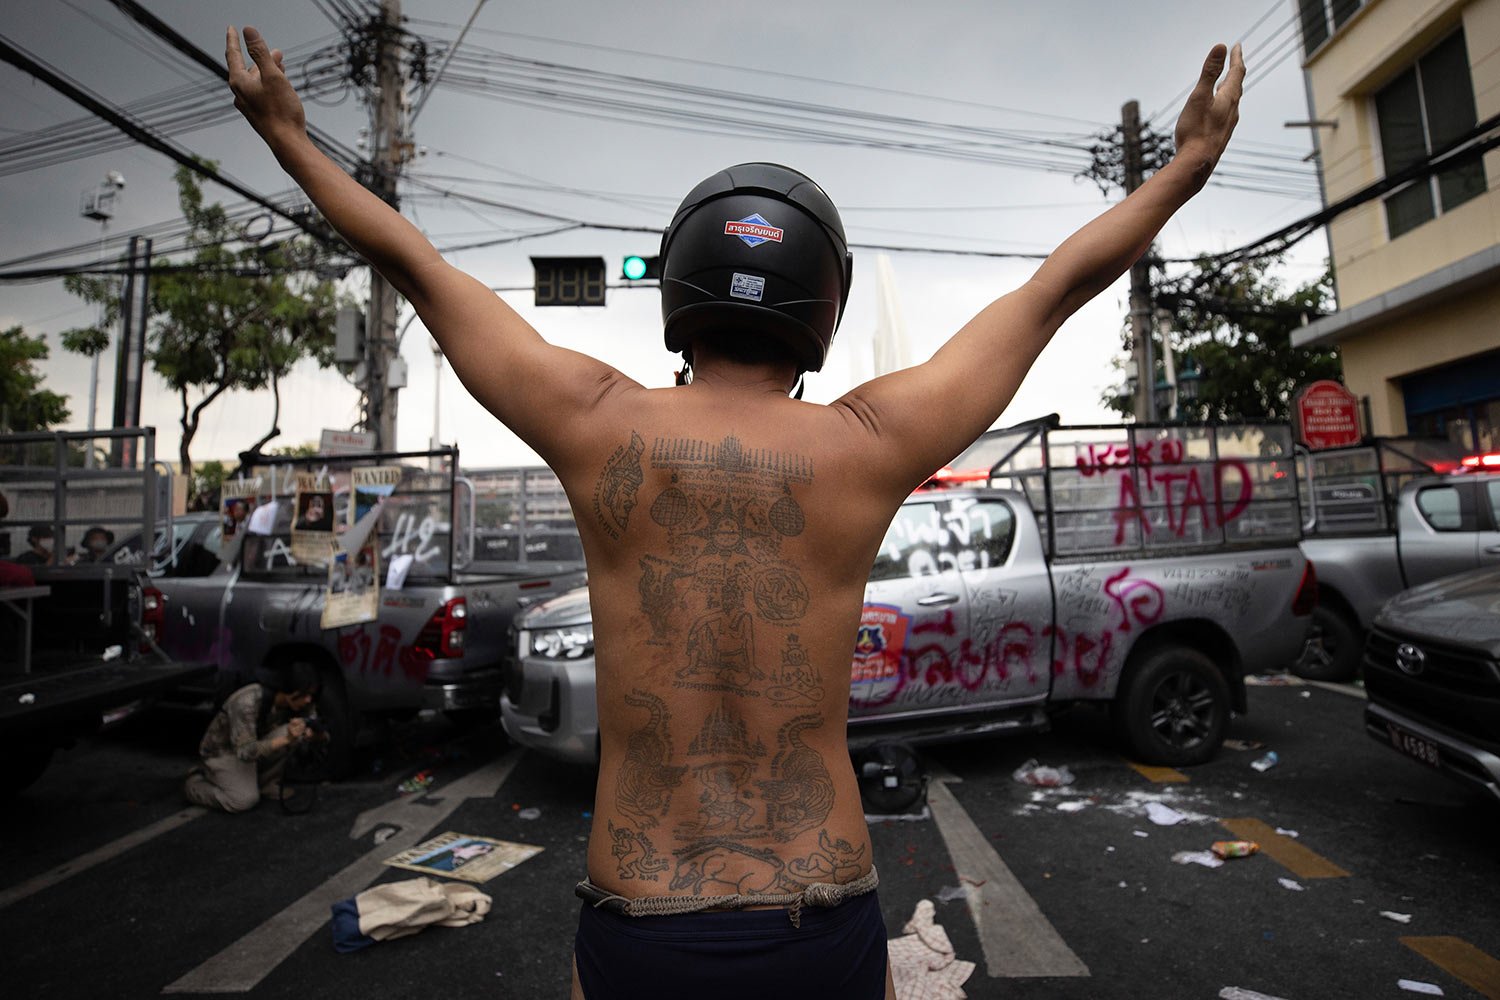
(1410, 659)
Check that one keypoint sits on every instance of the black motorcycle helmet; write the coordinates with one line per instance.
(757, 250)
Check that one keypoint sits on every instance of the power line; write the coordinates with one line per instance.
(763, 73)
(77, 93)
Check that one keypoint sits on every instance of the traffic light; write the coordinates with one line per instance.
(637, 268)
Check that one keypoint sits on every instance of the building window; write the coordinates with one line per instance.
(1422, 110)
(1321, 18)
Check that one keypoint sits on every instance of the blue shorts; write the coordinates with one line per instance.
(728, 955)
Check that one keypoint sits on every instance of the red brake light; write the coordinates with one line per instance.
(442, 638)
(1490, 460)
(1307, 592)
(153, 616)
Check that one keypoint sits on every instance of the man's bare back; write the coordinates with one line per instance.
(728, 536)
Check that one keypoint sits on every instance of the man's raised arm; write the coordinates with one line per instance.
(536, 389)
(927, 414)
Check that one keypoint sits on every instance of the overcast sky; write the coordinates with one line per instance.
(1047, 75)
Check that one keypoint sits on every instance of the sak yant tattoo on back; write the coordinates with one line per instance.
(722, 595)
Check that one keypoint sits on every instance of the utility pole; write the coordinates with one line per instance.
(385, 372)
(1140, 278)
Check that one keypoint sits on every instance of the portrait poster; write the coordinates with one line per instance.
(353, 594)
(463, 856)
(237, 502)
(370, 485)
(312, 519)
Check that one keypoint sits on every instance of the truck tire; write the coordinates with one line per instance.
(1173, 708)
(334, 758)
(1334, 647)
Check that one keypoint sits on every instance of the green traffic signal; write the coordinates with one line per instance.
(637, 267)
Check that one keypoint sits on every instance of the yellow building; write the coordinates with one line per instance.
(1391, 83)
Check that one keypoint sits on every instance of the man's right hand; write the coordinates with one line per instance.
(262, 93)
(296, 730)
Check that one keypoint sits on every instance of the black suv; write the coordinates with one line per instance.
(1432, 671)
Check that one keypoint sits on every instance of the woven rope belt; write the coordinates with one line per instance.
(820, 894)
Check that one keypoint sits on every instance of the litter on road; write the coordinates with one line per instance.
(463, 856)
(1234, 848)
(1235, 993)
(1204, 858)
(1163, 815)
(1267, 762)
(1033, 773)
(1292, 884)
(1400, 918)
(1414, 986)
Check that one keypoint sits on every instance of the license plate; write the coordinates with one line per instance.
(1414, 746)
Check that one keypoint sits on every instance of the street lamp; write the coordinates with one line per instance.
(1163, 392)
(99, 205)
(1189, 379)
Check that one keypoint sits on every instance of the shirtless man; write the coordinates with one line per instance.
(729, 529)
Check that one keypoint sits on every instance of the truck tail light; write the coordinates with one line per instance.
(153, 617)
(442, 638)
(1307, 592)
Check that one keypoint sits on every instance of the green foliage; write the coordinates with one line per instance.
(207, 479)
(304, 450)
(1236, 322)
(240, 318)
(24, 404)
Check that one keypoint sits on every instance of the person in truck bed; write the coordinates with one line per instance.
(729, 528)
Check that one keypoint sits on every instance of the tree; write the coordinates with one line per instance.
(1235, 323)
(237, 316)
(24, 404)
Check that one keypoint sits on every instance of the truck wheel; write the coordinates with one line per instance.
(333, 758)
(1333, 649)
(1173, 708)
(23, 765)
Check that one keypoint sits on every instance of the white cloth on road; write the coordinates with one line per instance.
(398, 909)
(923, 964)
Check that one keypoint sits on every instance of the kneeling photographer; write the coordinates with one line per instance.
(251, 738)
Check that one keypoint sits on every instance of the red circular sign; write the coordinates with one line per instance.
(1328, 415)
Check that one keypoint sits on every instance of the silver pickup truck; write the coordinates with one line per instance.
(1147, 567)
(1381, 518)
(436, 641)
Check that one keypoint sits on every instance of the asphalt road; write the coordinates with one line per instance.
(113, 887)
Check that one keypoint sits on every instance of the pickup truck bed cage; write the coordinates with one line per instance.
(1352, 491)
(1119, 490)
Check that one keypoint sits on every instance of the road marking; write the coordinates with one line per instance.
(1160, 775)
(1352, 690)
(1461, 960)
(1290, 854)
(97, 856)
(240, 967)
(1017, 939)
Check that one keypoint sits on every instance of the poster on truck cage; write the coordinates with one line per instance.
(312, 519)
(237, 501)
(353, 595)
(371, 485)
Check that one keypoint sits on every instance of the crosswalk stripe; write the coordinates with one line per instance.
(1016, 938)
(1462, 960)
(1290, 854)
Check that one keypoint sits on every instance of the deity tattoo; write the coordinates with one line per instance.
(726, 511)
(619, 483)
